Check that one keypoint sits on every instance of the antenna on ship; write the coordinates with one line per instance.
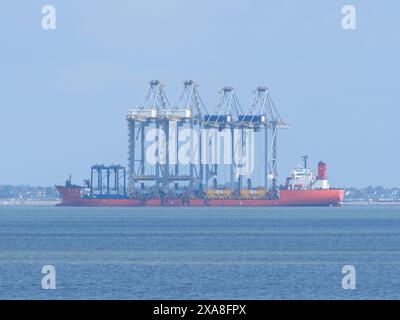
(68, 182)
(305, 159)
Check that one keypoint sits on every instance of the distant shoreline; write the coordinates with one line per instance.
(29, 202)
(54, 202)
(371, 203)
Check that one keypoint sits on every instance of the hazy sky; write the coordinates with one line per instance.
(64, 93)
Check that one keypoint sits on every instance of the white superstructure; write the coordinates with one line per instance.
(304, 179)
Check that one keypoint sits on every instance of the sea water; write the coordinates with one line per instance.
(200, 253)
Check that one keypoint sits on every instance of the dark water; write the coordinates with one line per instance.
(200, 253)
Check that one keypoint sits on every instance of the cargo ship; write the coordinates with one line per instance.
(174, 152)
(302, 188)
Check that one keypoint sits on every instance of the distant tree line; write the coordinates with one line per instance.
(372, 194)
(26, 192)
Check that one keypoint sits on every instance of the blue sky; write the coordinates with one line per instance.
(64, 93)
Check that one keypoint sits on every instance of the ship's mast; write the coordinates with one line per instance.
(305, 159)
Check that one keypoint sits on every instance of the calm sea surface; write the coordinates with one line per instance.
(200, 253)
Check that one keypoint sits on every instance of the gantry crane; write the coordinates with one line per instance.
(226, 114)
(263, 113)
(140, 118)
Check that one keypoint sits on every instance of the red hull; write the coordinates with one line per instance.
(288, 198)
